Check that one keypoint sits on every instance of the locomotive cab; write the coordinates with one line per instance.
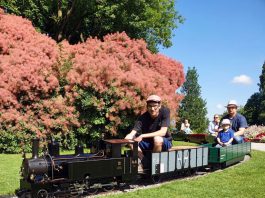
(114, 148)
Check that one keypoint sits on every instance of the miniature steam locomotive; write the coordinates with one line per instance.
(55, 175)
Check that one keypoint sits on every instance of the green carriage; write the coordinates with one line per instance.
(226, 156)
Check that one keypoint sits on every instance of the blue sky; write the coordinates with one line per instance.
(225, 41)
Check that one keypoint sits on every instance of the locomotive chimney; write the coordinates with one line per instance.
(35, 147)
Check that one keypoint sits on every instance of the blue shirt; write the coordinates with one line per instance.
(238, 121)
(225, 136)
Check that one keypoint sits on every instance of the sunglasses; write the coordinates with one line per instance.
(155, 107)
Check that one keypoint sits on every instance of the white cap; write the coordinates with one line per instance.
(226, 121)
(232, 103)
(153, 98)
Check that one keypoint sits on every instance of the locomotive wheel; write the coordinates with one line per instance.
(42, 193)
(190, 172)
(156, 179)
(108, 188)
(25, 195)
(223, 165)
(92, 191)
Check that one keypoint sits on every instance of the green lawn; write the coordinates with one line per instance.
(180, 143)
(9, 173)
(245, 180)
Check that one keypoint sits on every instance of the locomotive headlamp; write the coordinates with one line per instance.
(32, 177)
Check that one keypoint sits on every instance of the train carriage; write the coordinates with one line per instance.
(229, 155)
(178, 159)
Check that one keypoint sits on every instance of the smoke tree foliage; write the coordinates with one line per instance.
(193, 107)
(75, 20)
(30, 101)
(113, 78)
(84, 90)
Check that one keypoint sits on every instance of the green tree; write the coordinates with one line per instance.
(261, 117)
(255, 106)
(252, 109)
(262, 81)
(193, 107)
(75, 20)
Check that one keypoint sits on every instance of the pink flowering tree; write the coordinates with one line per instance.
(30, 100)
(76, 91)
(110, 80)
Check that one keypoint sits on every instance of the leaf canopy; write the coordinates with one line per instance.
(76, 20)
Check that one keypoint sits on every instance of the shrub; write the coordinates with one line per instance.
(262, 140)
(255, 133)
(11, 142)
(111, 79)
(30, 100)
(86, 90)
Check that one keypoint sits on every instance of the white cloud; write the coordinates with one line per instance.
(219, 106)
(242, 79)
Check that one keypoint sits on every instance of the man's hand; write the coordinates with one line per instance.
(226, 144)
(239, 132)
(139, 138)
(222, 144)
(129, 137)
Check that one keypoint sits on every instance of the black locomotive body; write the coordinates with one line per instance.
(54, 175)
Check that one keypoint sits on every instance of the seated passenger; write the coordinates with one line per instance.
(151, 128)
(213, 127)
(185, 127)
(226, 135)
(238, 121)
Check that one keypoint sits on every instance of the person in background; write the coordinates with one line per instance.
(185, 127)
(238, 121)
(213, 127)
(226, 135)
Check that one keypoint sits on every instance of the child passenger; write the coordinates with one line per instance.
(226, 135)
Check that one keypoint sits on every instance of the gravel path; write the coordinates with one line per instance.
(258, 146)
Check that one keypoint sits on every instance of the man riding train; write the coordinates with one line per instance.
(238, 121)
(151, 128)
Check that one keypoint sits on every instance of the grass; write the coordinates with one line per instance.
(9, 173)
(245, 180)
(180, 143)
